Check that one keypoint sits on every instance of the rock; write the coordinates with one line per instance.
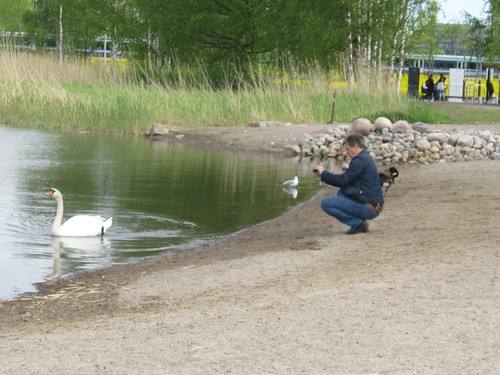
(387, 138)
(439, 137)
(308, 137)
(382, 123)
(478, 142)
(484, 134)
(157, 130)
(465, 141)
(362, 126)
(412, 146)
(435, 144)
(423, 144)
(448, 147)
(345, 128)
(421, 127)
(495, 156)
(453, 139)
(400, 126)
(267, 124)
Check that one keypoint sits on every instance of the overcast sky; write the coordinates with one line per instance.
(453, 9)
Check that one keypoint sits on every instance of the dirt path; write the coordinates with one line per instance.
(418, 294)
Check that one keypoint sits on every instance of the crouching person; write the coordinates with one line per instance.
(360, 195)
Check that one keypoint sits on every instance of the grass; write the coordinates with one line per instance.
(82, 97)
(469, 114)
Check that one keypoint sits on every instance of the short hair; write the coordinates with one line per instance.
(355, 139)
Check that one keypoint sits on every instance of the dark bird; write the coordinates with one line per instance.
(388, 177)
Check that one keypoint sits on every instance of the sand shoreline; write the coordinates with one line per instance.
(418, 294)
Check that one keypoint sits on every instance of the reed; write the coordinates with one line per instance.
(36, 92)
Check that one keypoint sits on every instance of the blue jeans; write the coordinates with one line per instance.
(346, 210)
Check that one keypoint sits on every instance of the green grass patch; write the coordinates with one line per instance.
(469, 114)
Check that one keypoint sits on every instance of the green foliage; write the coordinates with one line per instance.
(228, 36)
(11, 14)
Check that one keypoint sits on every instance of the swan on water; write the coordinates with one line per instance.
(291, 183)
(77, 226)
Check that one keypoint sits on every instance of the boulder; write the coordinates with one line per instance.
(439, 137)
(465, 141)
(362, 126)
(382, 123)
(453, 139)
(423, 144)
(484, 134)
(157, 130)
(400, 126)
(421, 127)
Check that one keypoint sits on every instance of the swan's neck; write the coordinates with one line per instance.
(57, 221)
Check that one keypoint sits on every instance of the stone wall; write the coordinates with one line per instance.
(402, 142)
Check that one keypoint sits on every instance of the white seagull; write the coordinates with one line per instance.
(292, 183)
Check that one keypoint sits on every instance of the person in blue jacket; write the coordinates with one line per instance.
(360, 195)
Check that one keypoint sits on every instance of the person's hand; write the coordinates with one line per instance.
(317, 170)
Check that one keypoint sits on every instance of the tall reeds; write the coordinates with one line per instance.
(35, 91)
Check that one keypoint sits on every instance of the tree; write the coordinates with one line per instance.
(485, 33)
(228, 36)
(11, 14)
(229, 31)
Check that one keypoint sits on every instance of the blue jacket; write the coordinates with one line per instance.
(360, 182)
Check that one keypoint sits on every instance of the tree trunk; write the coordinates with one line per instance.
(401, 64)
(60, 46)
(350, 57)
(114, 55)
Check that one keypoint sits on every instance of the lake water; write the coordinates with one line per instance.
(163, 198)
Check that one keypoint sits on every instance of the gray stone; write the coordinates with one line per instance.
(423, 144)
(439, 137)
(421, 127)
(157, 130)
(412, 146)
(465, 141)
(382, 123)
(453, 139)
(362, 126)
(267, 124)
(308, 137)
(484, 134)
(400, 126)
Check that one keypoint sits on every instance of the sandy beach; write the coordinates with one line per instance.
(418, 294)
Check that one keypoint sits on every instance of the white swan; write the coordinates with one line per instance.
(77, 226)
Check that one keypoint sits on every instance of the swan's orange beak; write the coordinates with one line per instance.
(49, 193)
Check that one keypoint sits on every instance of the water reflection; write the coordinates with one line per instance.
(292, 191)
(78, 250)
(162, 197)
